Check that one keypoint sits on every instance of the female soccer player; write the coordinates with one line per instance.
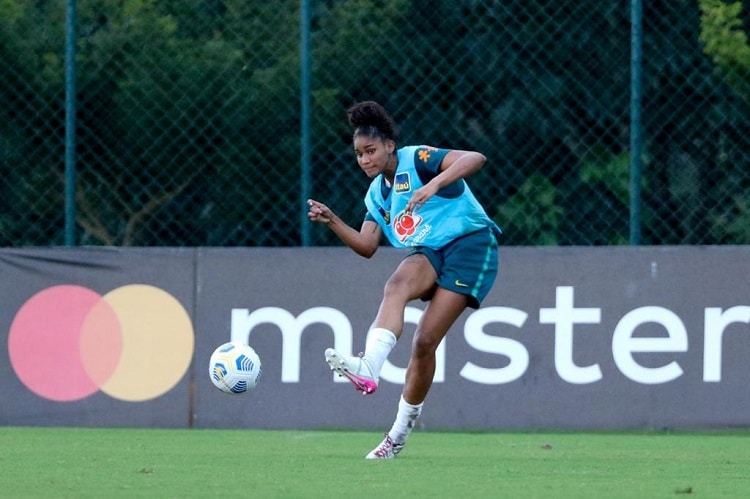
(418, 200)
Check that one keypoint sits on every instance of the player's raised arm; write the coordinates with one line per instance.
(364, 243)
(459, 164)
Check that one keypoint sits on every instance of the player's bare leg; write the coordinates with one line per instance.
(441, 313)
(411, 279)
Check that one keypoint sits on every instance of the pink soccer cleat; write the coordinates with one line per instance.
(355, 369)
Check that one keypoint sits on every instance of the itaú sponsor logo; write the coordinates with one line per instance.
(627, 346)
(68, 342)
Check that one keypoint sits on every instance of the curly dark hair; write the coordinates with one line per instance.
(370, 119)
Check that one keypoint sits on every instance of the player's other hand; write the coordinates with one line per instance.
(319, 212)
(419, 197)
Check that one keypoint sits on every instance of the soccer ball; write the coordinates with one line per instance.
(234, 368)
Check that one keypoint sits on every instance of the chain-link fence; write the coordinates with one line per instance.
(188, 123)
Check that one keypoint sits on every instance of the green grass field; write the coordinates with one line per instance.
(99, 463)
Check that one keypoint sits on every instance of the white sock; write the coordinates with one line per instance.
(378, 346)
(406, 418)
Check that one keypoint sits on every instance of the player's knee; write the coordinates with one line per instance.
(424, 346)
(396, 286)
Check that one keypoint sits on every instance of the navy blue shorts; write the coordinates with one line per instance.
(468, 265)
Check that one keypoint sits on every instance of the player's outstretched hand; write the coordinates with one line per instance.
(319, 212)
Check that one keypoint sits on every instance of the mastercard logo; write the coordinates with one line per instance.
(68, 342)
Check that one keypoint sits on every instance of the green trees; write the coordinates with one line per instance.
(725, 40)
(188, 125)
(185, 93)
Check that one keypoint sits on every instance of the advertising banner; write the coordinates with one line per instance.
(569, 338)
(96, 337)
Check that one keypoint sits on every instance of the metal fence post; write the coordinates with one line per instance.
(305, 88)
(636, 141)
(70, 123)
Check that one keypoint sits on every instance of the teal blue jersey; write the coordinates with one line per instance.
(451, 213)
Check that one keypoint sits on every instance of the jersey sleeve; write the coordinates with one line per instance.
(427, 160)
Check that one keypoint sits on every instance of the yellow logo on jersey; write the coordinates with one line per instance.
(424, 153)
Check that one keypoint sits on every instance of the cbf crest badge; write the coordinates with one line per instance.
(402, 182)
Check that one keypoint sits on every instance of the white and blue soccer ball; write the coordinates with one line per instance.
(234, 368)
